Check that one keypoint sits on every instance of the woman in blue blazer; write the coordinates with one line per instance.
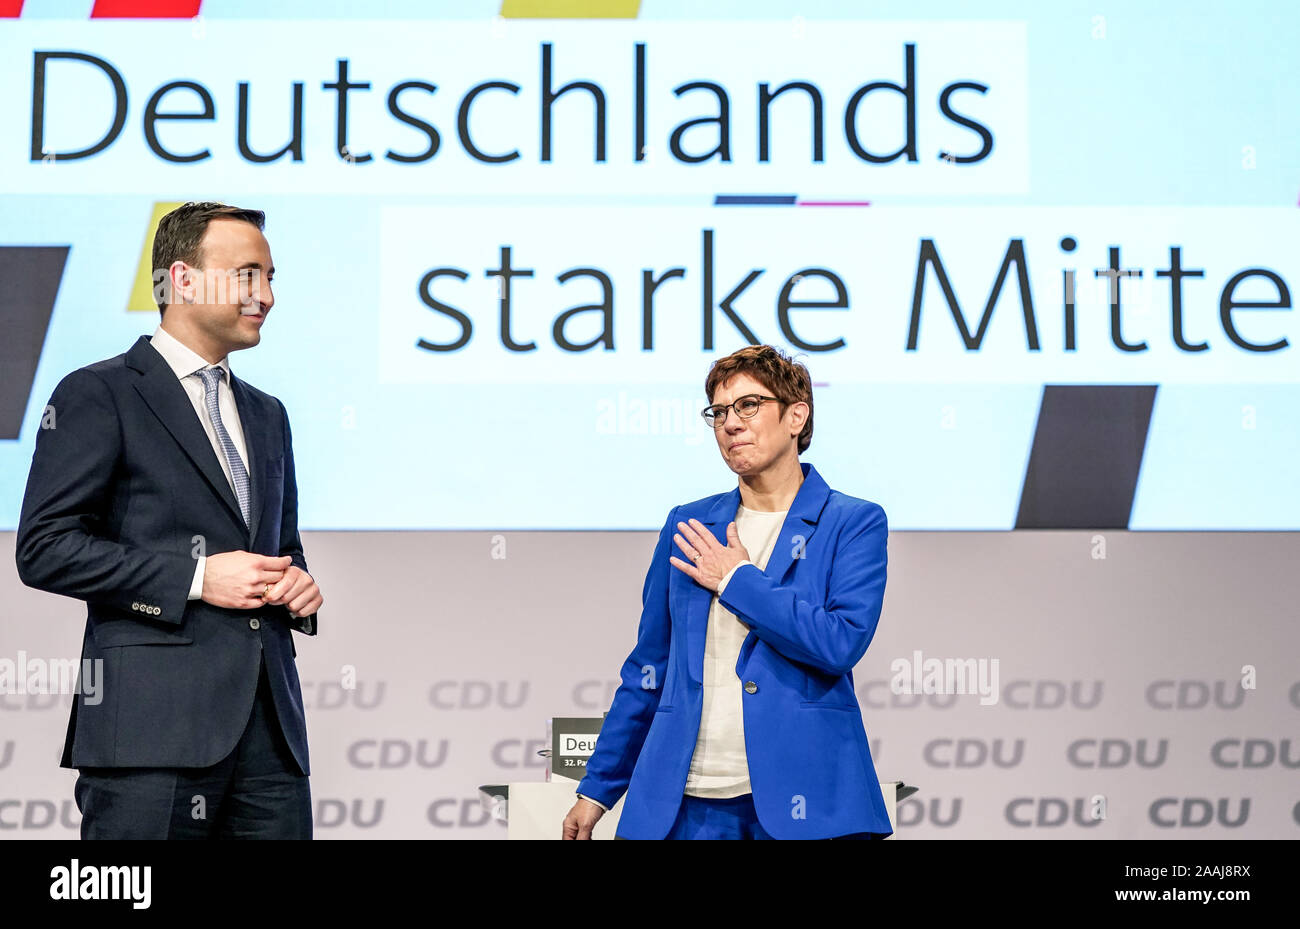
(736, 716)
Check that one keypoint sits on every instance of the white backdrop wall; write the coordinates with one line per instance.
(1119, 677)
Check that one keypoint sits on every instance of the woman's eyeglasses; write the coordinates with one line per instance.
(746, 407)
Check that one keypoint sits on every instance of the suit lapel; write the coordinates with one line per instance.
(791, 545)
(167, 398)
(800, 524)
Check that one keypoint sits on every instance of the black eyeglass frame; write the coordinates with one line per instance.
(718, 420)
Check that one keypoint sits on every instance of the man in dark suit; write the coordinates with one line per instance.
(162, 493)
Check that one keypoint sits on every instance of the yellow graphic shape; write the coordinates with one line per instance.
(141, 299)
(570, 9)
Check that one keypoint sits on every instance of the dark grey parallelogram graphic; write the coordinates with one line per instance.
(1087, 453)
(29, 282)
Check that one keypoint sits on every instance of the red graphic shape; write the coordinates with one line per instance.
(145, 9)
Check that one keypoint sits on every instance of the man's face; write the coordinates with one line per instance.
(749, 446)
(231, 291)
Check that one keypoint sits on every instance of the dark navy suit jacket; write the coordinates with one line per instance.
(125, 492)
(812, 612)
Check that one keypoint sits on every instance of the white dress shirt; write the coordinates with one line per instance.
(185, 362)
(719, 767)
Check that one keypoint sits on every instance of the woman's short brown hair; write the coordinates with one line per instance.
(787, 380)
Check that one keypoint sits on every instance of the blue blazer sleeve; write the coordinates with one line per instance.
(62, 542)
(609, 769)
(834, 635)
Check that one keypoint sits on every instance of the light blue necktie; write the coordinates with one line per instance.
(210, 378)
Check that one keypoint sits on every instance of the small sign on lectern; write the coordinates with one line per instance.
(573, 739)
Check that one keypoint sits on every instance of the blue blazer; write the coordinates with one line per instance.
(812, 613)
(117, 493)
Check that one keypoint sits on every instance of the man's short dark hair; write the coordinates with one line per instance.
(180, 235)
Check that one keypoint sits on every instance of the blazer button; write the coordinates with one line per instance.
(254, 623)
(751, 687)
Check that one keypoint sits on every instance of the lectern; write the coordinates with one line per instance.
(536, 809)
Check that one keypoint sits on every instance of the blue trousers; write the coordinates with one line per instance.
(732, 818)
(256, 792)
(710, 818)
